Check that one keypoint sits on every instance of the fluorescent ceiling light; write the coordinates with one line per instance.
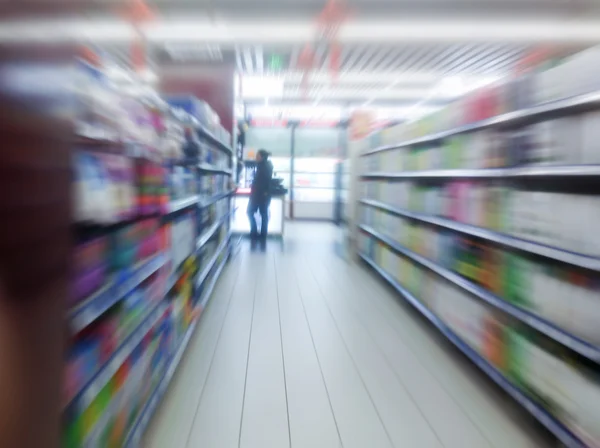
(262, 87)
(457, 86)
(121, 76)
(80, 31)
(220, 31)
(391, 94)
(395, 113)
(326, 77)
(296, 112)
(556, 30)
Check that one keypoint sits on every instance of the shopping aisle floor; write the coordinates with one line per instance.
(299, 347)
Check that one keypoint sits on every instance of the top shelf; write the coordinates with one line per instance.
(571, 105)
(203, 132)
(516, 173)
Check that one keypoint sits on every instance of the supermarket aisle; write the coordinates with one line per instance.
(301, 348)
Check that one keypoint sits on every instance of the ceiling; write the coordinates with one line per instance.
(359, 8)
(390, 74)
(392, 51)
(397, 74)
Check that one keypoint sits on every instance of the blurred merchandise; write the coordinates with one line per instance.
(148, 216)
(513, 210)
(483, 213)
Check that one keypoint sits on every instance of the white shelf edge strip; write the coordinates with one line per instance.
(180, 204)
(108, 370)
(207, 235)
(206, 297)
(212, 169)
(216, 198)
(202, 240)
(550, 422)
(566, 105)
(125, 341)
(87, 312)
(202, 277)
(555, 253)
(210, 136)
(525, 172)
(552, 331)
(135, 434)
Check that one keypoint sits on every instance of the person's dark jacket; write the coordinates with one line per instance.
(261, 185)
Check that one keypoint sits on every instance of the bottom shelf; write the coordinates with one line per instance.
(135, 435)
(551, 423)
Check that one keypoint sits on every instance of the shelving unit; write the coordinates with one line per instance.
(91, 309)
(134, 437)
(574, 343)
(551, 423)
(518, 173)
(206, 134)
(180, 204)
(554, 253)
(572, 105)
(211, 169)
(153, 269)
(479, 241)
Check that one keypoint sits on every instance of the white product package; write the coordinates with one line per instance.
(590, 138)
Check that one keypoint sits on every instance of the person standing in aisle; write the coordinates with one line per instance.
(260, 196)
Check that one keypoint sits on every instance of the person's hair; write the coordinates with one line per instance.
(264, 154)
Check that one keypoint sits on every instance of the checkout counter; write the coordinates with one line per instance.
(240, 223)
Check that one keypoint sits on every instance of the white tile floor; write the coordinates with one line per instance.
(300, 348)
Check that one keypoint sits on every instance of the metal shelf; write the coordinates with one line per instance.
(549, 421)
(216, 198)
(575, 104)
(206, 271)
(554, 253)
(561, 336)
(518, 173)
(88, 393)
(135, 434)
(212, 284)
(210, 169)
(203, 239)
(103, 375)
(123, 284)
(439, 174)
(205, 133)
(179, 204)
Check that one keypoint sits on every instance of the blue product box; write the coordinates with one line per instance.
(198, 109)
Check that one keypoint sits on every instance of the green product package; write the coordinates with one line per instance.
(416, 282)
(454, 152)
(73, 434)
(517, 280)
(104, 397)
(516, 357)
(105, 440)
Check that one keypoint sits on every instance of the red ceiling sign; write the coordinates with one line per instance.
(329, 22)
(138, 13)
(331, 18)
(533, 59)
